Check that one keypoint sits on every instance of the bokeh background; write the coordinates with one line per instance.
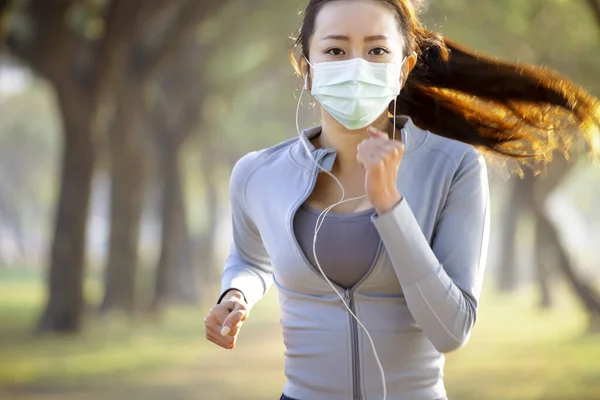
(120, 122)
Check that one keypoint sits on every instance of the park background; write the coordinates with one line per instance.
(120, 122)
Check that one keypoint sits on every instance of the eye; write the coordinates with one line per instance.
(335, 51)
(379, 51)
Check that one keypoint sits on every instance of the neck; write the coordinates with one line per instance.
(345, 142)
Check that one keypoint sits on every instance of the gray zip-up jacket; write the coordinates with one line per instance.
(420, 296)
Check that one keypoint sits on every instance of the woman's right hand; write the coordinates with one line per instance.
(223, 322)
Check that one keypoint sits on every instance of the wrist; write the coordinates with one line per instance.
(387, 202)
(233, 294)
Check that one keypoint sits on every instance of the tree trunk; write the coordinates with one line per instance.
(594, 6)
(517, 205)
(584, 291)
(543, 251)
(176, 278)
(11, 219)
(127, 180)
(594, 324)
(205, 247)
(64, 310)
(205, 251)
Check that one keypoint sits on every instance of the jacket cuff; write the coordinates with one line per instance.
(248, 283)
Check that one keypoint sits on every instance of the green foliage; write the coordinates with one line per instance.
(87, 19)
(252, 100)
(559, 34)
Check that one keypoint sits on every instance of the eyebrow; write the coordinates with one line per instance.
(372, 38)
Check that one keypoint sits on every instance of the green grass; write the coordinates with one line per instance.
(516, 353)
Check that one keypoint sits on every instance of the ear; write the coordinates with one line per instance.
(407, 67)
(305, 70)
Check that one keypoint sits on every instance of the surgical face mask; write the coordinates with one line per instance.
(355, 92)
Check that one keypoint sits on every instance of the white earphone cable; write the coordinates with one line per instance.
(319, 223)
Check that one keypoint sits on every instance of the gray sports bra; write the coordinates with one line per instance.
(347, 244)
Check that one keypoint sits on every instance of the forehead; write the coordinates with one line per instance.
(356, 18)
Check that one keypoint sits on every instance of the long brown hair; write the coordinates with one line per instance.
(514, 110)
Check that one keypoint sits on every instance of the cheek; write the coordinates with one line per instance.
(316, 56)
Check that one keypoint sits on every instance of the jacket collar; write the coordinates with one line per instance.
(412, 136)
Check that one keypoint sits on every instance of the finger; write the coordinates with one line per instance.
(391, 149)
(369, 147)
(370, 161)
(213, 331)
(378, 142)
(374, 132)
(398, 150)
(375, 152)
(398, 144)
(369, 157)
(216, 334)
(220, 312)
(375, 164)
(361, 157)
(233, 319)
(235, 330)
(211, 319)
(226, 342)
(229, 305)
(377, 148)
(224, 330)
(383, 146)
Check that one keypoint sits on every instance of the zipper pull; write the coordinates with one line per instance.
(347, 295)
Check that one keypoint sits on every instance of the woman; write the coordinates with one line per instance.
(406, 255)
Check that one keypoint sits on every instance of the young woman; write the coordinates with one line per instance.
(393, 278)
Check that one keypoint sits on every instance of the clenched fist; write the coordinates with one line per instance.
(223, 322)
(381, 157)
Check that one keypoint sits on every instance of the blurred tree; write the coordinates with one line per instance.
(548, 236)
(149, 52)
(519, 30)
(28, 154)
(595, 9)
(5, 8)
(549, 245)
(79, 47)
(181, 108)
(91, 50)
(174, 117)
(519, 193)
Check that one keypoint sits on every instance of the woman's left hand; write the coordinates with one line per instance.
(381, 158)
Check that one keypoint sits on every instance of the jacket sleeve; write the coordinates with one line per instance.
(442, 282)
(247, 268)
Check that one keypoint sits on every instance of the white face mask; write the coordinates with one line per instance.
(355, 92)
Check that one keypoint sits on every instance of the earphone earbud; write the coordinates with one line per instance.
(306, 81)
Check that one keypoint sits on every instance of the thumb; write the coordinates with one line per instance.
(237, 315)
(375, 133)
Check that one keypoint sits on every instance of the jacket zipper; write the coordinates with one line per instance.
(356, 386)
(349, 296)
(348, 293)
